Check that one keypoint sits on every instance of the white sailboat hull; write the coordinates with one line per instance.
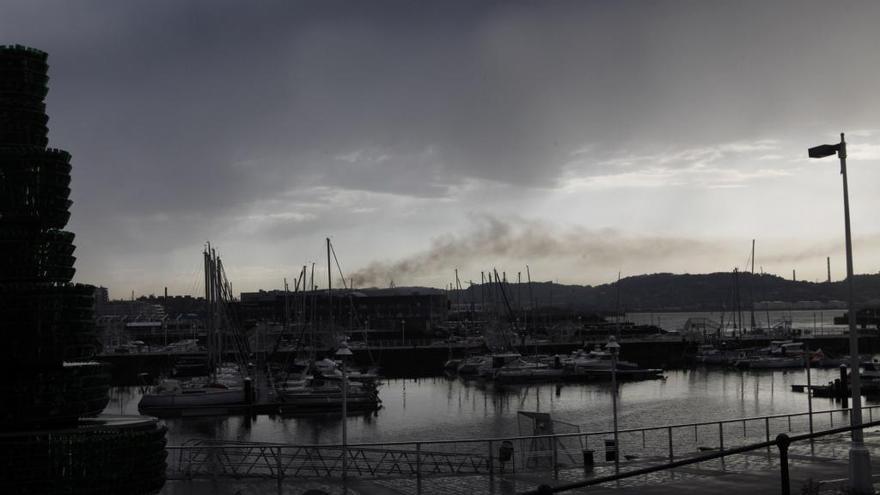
(193, 398)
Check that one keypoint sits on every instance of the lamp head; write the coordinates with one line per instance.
(823, 150)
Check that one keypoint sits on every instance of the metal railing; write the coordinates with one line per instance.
(487, 456)
(781, 442)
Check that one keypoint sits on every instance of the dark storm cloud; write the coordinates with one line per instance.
(172, 96)
(186, 117)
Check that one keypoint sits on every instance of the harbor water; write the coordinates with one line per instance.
(814, 319)
(445, 408)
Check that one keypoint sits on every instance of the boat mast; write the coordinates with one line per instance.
(617, 320)
(482, 293)
(737, 303)
(215, 299)
(531, 296)
(286, 313)
(752, 285)
(519, 308)
(329, 291)
(313, 313)
(208, 330)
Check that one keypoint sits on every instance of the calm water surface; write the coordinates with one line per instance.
(818, 319)
(442, 408)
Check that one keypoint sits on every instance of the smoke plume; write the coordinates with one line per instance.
(492, 242)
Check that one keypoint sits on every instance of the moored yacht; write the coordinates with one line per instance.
(226, 384)
(173, 394)
(583, 360)
(313, 395)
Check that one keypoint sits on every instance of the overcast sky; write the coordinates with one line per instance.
(582, 138)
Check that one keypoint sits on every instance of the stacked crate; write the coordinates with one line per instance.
(49, 384)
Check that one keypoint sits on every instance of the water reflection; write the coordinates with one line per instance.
(433, 408)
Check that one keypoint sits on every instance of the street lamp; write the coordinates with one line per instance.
(859, 458)
(343, 353)
(614, 348)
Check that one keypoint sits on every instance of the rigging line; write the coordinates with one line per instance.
(230, 317)
(339, 268)
(352, 308)
(194, 280)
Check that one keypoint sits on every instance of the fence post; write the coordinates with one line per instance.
(669, 433)
(644, 443)
(418, 468)
(491, 469)
(213, 451)
(555, 463)
(279, 471)
(831, 418)
(782, 441)
(767, 435)
(789, 424)
(721, 435)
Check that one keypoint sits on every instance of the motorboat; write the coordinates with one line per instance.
(708, 354)
(472, 365)
(770, 363)
(522, 370)
(781, 354)
(486, 365)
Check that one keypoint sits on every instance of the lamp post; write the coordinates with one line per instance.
(343, 353)
(859, 458)
(614, 348)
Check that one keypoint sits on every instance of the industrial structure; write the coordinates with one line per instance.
(51, 438)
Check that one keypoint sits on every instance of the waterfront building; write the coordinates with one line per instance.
(417, 313)
(51, 437)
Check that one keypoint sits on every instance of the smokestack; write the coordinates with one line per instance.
(828, 259)
(793, 276)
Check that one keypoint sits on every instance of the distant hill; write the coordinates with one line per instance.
(670, 292)
(655, 292)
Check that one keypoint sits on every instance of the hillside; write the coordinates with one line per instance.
(669, 292)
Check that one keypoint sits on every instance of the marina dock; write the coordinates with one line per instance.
(427, 358)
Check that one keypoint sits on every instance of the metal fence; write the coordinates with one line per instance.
(487, 456)
(782, 442)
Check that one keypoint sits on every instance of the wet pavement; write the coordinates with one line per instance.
(820, 467)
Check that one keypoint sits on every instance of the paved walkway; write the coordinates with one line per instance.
(822, 466)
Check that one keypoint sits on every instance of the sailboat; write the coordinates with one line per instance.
(226, 384)
(320, 385)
